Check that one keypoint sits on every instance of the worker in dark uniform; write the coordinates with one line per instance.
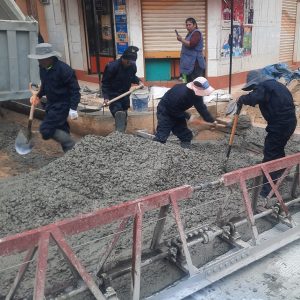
(59, 84)
(277, 107)
(171, 110)
(117, 79)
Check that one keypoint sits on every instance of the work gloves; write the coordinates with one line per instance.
(73, 114)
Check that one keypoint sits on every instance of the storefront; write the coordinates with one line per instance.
(105, 24)
(161, 48)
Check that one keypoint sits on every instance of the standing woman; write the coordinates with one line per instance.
(192, 63)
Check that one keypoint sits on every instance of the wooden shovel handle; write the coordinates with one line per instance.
(34, 93)
(123, 95)
(200, 122)
(233, 130)
(32, 107)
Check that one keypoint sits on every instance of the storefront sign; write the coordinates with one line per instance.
(121, 26)
(242, 27)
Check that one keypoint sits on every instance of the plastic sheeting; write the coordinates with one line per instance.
(280, 70)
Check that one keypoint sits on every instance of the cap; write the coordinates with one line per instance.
(44, 50)
(130, 53)
(200, 86)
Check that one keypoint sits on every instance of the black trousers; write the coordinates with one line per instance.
(275, 142)
(120, 105)
(167, 124)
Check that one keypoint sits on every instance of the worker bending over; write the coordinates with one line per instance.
(277, 107)
(117, 79)
(59, 84)
(171, 110)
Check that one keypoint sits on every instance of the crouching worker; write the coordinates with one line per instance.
(117, 79)
(277, 107)
(171, 110)
(59, 84)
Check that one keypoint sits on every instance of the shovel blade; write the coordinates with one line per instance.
(231, 108)
(90, 110)
(23, 143)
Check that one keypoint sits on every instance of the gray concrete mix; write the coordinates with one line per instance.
(104, 171)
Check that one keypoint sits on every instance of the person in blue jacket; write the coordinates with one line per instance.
(192, 62)
(117, 79)
(277, 107)
(171, 110)
(59, 84)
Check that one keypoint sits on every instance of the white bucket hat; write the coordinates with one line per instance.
(44, 50)
(200, 86)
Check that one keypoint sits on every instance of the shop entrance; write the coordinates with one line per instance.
(104, 16)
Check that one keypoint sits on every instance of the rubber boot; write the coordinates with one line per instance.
(120, 121)
(64, 138)
(185, 145)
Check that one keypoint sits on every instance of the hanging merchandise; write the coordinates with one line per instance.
(242, 28)
(121, 26)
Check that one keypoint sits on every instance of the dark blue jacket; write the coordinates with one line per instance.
(59, 84)
(117, 79)
(275, 102)
(180, 98)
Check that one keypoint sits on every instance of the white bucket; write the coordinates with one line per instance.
(140, 99)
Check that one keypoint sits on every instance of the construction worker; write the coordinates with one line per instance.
(277, 107)
(171, 110)
(117, 79)
(59, 84)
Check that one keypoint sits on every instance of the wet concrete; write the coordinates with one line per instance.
(104, 171)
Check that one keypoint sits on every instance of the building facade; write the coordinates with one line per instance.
(264, 32)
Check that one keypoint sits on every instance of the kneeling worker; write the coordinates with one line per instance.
(117, 79)
(171, 110)
(59, 84)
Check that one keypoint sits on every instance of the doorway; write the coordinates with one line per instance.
(104, 16)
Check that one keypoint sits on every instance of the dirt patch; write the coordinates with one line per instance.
(11, 163)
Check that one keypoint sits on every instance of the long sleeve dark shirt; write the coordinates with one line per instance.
(180, 98)
(117, 79)
(195, 39)
(275, 101)
(59, 84)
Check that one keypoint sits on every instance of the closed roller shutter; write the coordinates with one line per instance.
(287, 33)
(161, 17)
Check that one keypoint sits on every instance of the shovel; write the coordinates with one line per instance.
(24, 142)
(232, 108)
(90, 110)
(199, 122)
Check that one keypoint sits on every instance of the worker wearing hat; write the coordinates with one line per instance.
(59, 84)
(171, 110)
(277, 107)
(117, 79)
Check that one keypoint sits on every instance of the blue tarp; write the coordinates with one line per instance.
(277, 71)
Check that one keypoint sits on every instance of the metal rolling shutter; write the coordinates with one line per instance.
(288, 26)
(161, 17)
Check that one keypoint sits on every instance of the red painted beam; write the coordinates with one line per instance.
(254, 171)
(25, 240)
